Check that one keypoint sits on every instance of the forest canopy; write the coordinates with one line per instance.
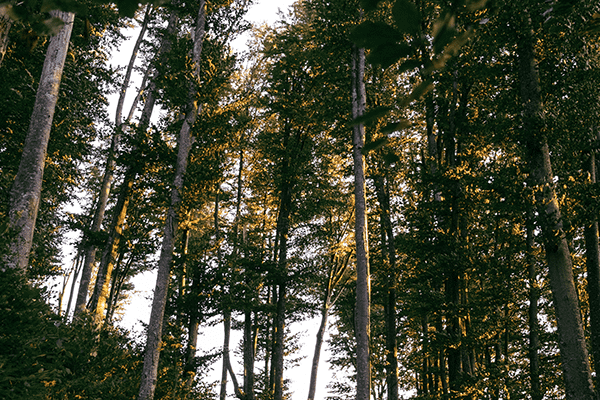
(419, 176)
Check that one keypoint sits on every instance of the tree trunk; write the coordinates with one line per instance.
(248, 356)
(534, 329)
(573, 351)
(593, 275)
(101, 288)
(152, 354)
(5, 24)
(387, 237)
(226, 339)
(363, 285)
(90, 247)
(120, 211)
(27, 187)
(317, 353)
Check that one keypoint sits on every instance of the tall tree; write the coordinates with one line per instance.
(184, 142)
(574, 355)
(363, 285)
(26, 189)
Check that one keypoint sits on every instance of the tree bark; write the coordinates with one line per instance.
(101, 288)
(5, 24)
(573, 350)
(226, 339)
(283, 225)
(152, 353)
(91, 247)
(592, 251)
(363, 285)
(387, 237)
(26, 189)
(534, 329)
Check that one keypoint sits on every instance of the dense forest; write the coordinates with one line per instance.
(418, 175)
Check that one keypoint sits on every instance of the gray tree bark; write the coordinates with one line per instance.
(90, 247)
(152, 353)
(363, 285)
(592, 252)
(572, 344)
(27, 187)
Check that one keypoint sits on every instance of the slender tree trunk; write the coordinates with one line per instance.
(317, 353)
(573, 350)
(248, 356)
(90, 246)
(593, 275)
(534, 295)
(26, 189)
(387, 236)
(279, 328)
(101, 289)
(363, 285)
(152, 354)
(226, 340)
(98, 299)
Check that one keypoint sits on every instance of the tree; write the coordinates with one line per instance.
(26, 189)
(575, 359)
(184, 142)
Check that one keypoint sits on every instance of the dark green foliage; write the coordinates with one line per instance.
(43, 356)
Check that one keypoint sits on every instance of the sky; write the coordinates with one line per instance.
(262, 12)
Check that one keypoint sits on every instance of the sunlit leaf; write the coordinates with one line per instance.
(374, 145)
(407, 16)
(443, 32)
(372, 115)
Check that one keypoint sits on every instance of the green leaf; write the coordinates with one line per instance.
(395, 126)
(372, 34)
(389, 54)
(407, 16)
(417, 92)
(374, 145)
(390, 157)
(371, 116)
(443, 31)
(369, 5)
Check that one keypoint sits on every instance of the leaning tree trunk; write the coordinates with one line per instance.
(337, 271)
(26, 190)
(5, 24)
(153, 341)
(573, 350)
(363, 286)
(98, 298)
(90, 246)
